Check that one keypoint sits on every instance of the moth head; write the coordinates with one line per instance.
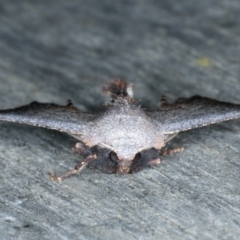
(118, 89)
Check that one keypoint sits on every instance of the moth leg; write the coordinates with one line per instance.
(155, 161)
(79, 167)
(164, 152)
(82, 149)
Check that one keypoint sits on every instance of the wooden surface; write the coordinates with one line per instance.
(55, 50)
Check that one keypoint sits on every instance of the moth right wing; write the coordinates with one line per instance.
(67, 118)
(191, 113)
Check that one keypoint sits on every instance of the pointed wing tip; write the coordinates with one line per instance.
(194, 112)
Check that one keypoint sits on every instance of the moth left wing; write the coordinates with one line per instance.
(62, 118)
(193, 112)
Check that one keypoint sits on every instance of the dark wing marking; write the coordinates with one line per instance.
(193, 112)
(62, 118)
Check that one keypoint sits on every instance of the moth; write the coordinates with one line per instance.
(124, 138)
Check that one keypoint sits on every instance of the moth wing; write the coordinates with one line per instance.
(169, 137)
(193, 112)
(62, 118)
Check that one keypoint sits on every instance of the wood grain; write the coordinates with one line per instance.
(55, 50)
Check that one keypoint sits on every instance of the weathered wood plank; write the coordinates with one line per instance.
(55, 50)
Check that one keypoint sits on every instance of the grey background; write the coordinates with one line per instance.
(51, 51)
